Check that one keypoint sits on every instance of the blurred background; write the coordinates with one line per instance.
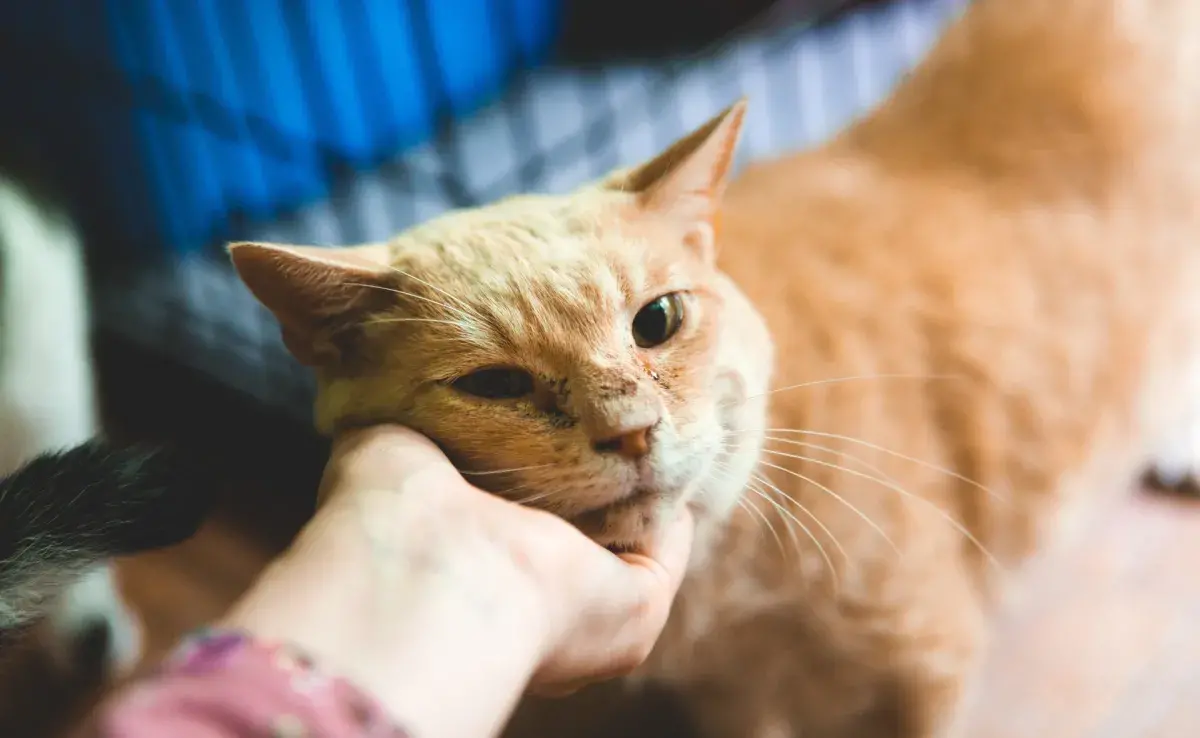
(170, 128)
(163, 129)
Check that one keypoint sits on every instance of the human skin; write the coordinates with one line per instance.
(429, 593)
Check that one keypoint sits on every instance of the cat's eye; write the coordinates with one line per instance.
(658, 320)
(496, 383)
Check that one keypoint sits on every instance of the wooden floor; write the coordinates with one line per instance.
(1106, 646)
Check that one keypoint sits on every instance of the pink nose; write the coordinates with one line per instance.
(632, 444)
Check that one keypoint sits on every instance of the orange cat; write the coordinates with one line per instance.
(890, 370)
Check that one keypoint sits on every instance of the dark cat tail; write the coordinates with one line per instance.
(74, 508)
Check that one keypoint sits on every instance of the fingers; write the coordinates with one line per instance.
(605, 613)
(668, 554)
(621, 606)
(652, 580)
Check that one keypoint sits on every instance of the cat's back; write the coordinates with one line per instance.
(1019, 216)
(1041, 160)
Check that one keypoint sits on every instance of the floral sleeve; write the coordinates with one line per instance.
(223, 684)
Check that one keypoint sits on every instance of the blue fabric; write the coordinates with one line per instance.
(204, 108)
(555, 130)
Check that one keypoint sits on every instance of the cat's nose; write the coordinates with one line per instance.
(632, 444)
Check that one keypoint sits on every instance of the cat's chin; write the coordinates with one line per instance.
(627, 525)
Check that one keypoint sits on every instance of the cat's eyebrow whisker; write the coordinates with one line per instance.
(867, 444)
(457, 300)
(504, 471)
(789, 516)
(866, 518)
(405, 293)
(896, 488)
(378, 321)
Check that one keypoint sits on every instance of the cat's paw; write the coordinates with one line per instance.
(91, 632)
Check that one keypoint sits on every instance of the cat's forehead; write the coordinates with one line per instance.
(533, 273)
(566, 246)
(540, 229)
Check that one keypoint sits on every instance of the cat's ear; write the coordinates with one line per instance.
(687, 180)
(315, 293)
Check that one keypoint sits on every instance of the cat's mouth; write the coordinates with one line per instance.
(621, 524)
(596, 516)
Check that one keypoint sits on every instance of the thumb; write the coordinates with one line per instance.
(665, 559)
(657, 573)
(627, 610)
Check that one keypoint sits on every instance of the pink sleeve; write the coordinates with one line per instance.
(225, 685)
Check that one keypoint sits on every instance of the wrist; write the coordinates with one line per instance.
(417, 598)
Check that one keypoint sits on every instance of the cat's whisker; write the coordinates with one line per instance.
(505, 492)
(379, 321)
(789, 526)
(833, 572)
(840, 453)
(836, 380)
(789, 518)
(504, 471)
(456, 299)
(405, 293)
(896, 488)
(849, 505)
(722, 473)
(754, 512)
(867, 444)
(538, 497)
(762, 478)
(508, 491)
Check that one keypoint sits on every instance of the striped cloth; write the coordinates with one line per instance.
(555, 130)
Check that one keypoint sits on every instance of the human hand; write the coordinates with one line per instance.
(596, 615)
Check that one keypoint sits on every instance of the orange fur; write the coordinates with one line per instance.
(974, 310)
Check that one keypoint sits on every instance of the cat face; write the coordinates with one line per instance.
(581, 354)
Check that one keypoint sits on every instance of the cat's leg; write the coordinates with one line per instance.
(908, 705)
(896, 668)
(90, 630)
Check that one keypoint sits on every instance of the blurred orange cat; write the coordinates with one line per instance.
(899, 367)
